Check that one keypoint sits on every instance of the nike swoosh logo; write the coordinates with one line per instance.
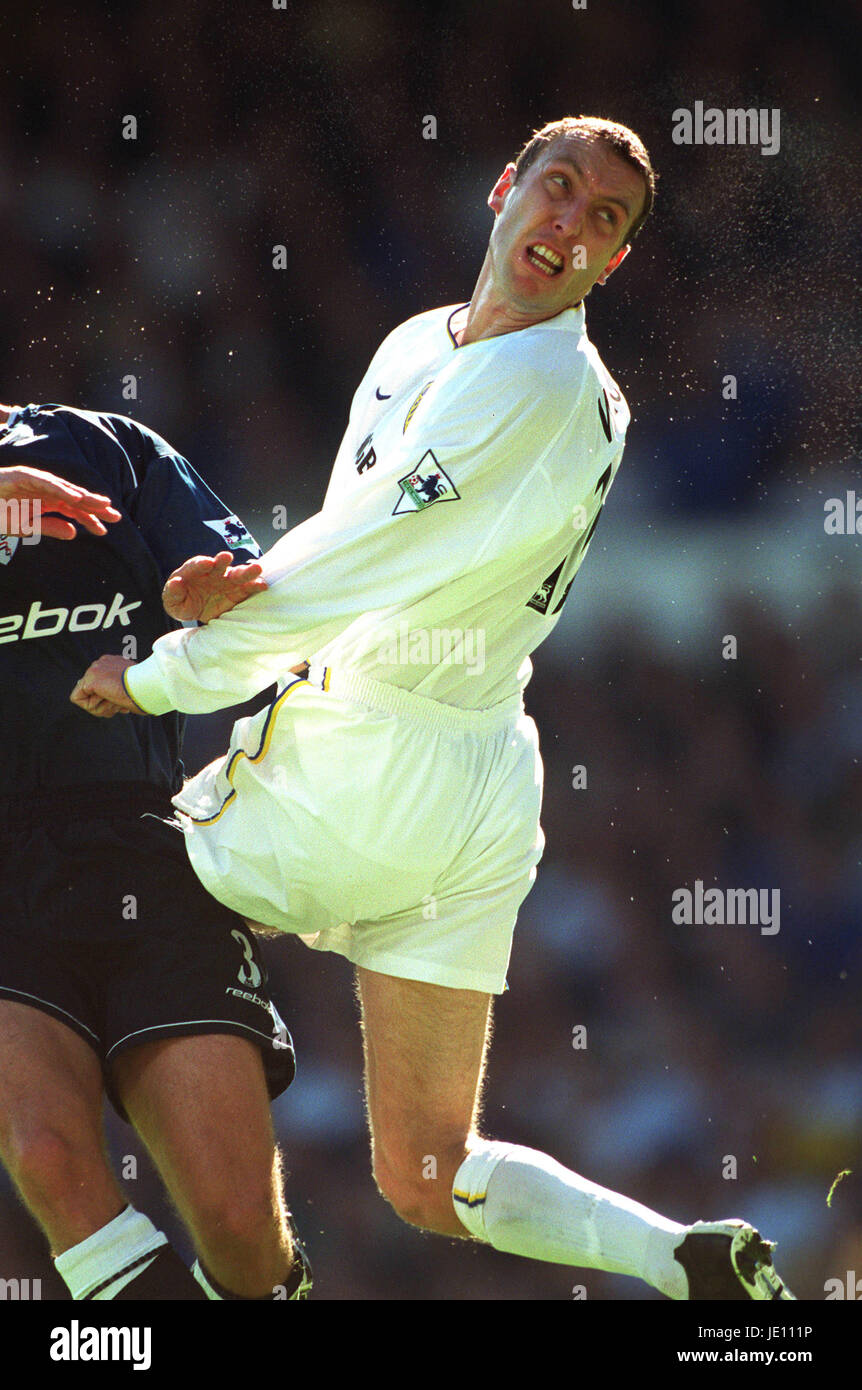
(381, 397)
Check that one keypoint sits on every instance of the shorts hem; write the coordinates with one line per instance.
(425, 972)
(54, 1011)
(279, 1064)
(192, 1027)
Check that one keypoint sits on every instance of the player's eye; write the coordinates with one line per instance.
(560, 178)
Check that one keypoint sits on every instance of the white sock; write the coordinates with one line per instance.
(100, 1266)
(524, 1202)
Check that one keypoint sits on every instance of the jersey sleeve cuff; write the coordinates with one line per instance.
(142, 683)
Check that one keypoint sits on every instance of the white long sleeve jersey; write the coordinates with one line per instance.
(461, 504)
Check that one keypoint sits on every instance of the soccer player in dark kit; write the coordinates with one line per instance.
(118, 972)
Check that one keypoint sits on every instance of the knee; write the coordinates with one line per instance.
(47, 1162)
(419, 1186)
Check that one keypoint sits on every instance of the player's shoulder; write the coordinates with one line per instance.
(557, 358)
(431, 318)
(548, 367)
(607, 386)
(128, 432)
(558, 347)
(104, 426)
(429, 324)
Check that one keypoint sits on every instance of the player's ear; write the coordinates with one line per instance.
(612, 264)
(500, 191)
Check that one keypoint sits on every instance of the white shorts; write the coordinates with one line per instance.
(400, 832)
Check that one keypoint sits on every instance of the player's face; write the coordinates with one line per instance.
(558, 229)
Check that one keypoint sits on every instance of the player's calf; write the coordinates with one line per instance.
(216, 1153)
(252, 1252)
(244, 1242)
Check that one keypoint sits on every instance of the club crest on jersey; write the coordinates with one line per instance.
(412, 411)
(428, 483)
(541, 599)
(234, 534)
(8, 546)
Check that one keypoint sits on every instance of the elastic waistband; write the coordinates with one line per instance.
(405, 704)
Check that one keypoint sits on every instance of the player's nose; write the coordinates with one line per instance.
(570, 218)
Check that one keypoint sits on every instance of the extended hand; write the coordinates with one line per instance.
(100, 690)
(208, 585)
(89, 509)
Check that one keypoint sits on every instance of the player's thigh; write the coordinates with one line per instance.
(50, 1083)
(201, 1105)
(425, 1049)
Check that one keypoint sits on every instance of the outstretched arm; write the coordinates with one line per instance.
(202, 588)
(451, 496)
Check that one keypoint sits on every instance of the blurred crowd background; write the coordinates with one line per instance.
(153, 258)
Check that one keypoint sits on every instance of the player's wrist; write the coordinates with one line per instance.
(135, 695)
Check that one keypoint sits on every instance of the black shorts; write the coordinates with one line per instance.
(105, 926)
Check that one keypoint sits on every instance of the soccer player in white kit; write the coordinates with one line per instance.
(386, 804)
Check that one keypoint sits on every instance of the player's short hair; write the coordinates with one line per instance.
(629, 146)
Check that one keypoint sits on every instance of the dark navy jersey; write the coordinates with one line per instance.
(63, 603)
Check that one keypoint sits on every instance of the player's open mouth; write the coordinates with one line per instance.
(544, 259)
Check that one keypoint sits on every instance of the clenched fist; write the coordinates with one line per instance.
(101, 692)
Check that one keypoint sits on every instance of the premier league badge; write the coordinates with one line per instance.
(234, 534)
(8, 546)
(428, 483)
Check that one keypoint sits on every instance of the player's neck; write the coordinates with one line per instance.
(490, 315)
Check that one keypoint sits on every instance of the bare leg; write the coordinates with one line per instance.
(202, 1108)
(51, 1135)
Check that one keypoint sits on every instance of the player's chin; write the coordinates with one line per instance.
(536, 290)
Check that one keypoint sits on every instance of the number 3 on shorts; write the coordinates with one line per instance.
(249, 972)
